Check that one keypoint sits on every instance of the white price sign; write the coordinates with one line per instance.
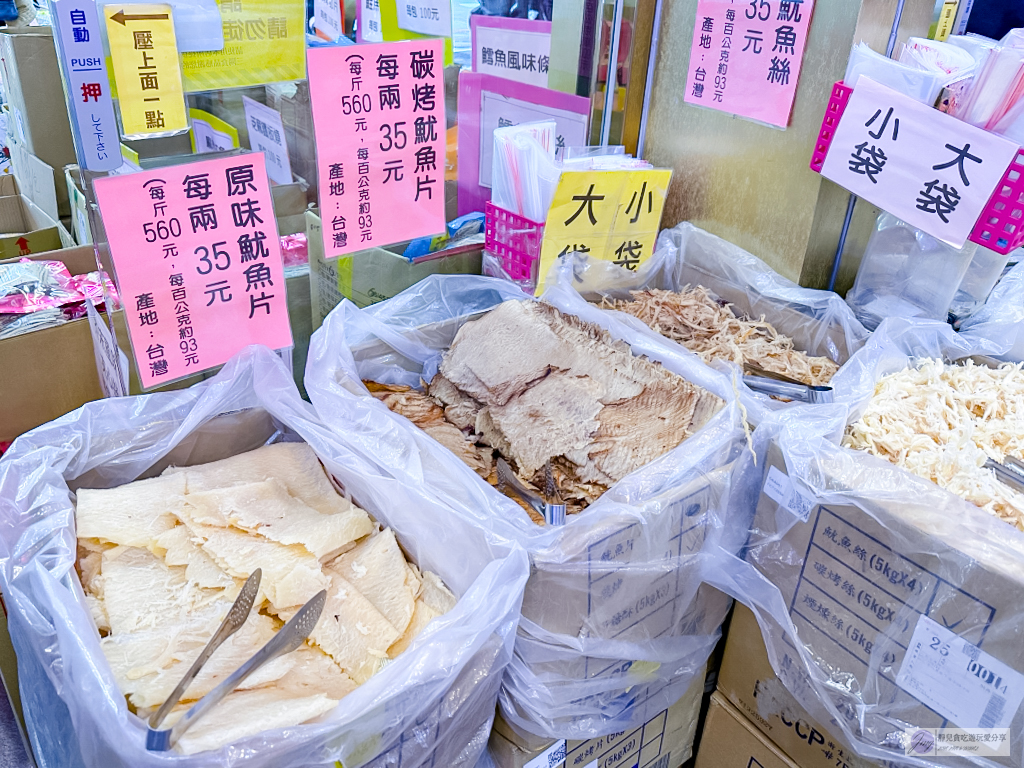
(266, 135)
(427, 17)
(516, 49)
(327, 19)
(931, 170)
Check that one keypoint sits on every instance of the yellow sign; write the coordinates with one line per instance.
(147, 71)
(264, 42)
(609, 215)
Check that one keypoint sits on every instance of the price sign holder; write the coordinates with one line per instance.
(1000, 227)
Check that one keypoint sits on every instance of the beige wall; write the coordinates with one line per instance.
(750, 183)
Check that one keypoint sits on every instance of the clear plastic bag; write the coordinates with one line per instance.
(846, 555)
(615, 621)
(433, 705)
(819, 322)
(1000, 321)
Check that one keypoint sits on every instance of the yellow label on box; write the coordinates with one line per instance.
(264, 42)
(609, 215)
(147, 70)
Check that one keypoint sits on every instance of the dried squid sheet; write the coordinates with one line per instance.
(942, 421)
(695, 318)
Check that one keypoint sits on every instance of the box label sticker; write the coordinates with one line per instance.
(961, 682)
(550, 757)
(779, 488)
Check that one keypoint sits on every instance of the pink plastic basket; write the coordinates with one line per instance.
(515, 240)
(1001, 224)
(836, 106)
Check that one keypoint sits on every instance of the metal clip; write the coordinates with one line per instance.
(771, 383)
(1009, 473)
(553, 514)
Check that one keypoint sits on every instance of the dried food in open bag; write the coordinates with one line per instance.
(616, 624)
(445, 683)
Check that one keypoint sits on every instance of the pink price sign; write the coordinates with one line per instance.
(198, 263)
(746, 57)
(378, 115)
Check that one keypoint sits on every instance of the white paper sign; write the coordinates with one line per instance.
(521, 52)
(327, 18)
(958, 680)
(780, 489)
(208, 138)
(111, 362)
(931, 170)
(428, 17)
(497, 111)
(266, 135)
(371, 30)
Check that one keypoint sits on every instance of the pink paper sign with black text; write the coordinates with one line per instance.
(198, 263)
(746, 57)
(379, 119)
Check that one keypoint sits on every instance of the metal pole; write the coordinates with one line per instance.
(611, 79)
(841, 245)
(649, 83)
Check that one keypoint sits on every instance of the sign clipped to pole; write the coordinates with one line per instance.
(746, 57)
(929, 169)
(198, 262)
(378, 115)
(609, 215)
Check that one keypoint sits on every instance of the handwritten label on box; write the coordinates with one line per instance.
(198, 263)
(929, 169)
(746, 57)
(378, 114)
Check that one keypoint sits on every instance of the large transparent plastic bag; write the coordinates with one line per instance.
(819, 322)
(1001, 320)
(615, 622)
(847, 552)
(432, 705)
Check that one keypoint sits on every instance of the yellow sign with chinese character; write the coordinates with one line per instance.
(147, 70)
(609, 215)
(264, 42)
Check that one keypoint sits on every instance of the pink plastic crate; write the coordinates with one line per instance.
(1001, 224)
(836, 106)
(515, 240)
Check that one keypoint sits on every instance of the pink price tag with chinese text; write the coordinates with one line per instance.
(746, 57)
(198, 263)
(379, 119)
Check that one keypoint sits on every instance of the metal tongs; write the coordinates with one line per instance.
(553, 514)
(290, 637)
(1010, 472)
(779, 385)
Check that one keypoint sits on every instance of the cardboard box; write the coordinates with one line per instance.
(290, 206)
(35, 94)
(750, 684)
(861, 578)
(375, 274)
(25, 228)
(40, 182)
(47, 373)
(729, 741)
(664, 741)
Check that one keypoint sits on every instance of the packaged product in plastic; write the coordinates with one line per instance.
(906, 273)
(887, 603)
(1000, 321)
(819, 323)
(615, 622)
(431, 705)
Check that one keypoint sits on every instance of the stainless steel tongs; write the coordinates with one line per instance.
(553, 514)
(771, 383)
(290, 637)
(1010, 472)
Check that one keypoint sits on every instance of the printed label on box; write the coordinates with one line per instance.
(550, 757)
(780, 489)
(961, 682)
